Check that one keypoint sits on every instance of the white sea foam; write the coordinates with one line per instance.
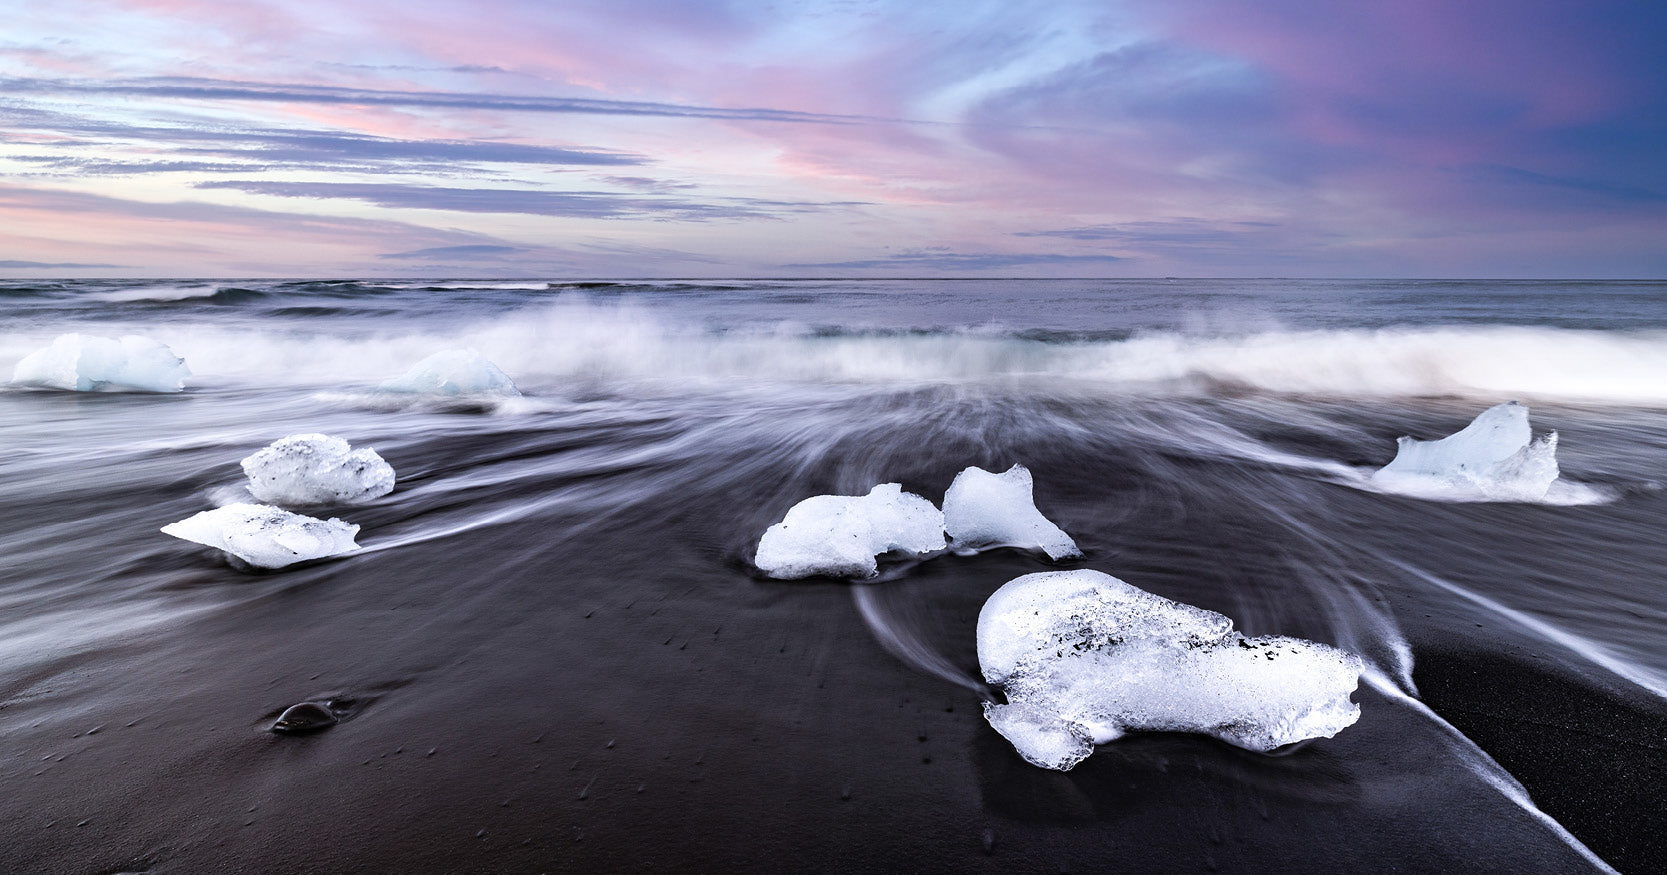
(467, 286)
(266, 537)
(89, 363)
(156, 293)
(626, 343)
(305, 469)
(1085, 658)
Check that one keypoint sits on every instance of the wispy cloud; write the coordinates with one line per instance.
(39, 265)
(283, 147)
(573, 204)
(1170, 232)
(178, 88)
(962, 261)
(159, 237)
(1590, 188)
(481, 251)
(643, 183)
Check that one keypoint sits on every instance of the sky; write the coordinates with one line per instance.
(862, 138)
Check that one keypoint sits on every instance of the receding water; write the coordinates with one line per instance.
(569, 569)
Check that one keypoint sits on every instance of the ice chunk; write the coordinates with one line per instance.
(840, 535)
(982, 509)
(1494, 458)
(1084, 657)
(87, 363)
(317, 469)
(265, 536)
(454, 372)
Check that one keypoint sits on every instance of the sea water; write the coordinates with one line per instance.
(575, 565)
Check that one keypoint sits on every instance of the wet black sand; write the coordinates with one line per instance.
(1591, 751)
(560, 695)
(584, 675)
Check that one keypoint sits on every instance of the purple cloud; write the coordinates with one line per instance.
(479, 251)
(962, 261)
(573, 204)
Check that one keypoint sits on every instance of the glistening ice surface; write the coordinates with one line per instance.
(266, 537)
(1084, 658)
(1494, 458)
(983, 509)
(841, 535)
(305, 469)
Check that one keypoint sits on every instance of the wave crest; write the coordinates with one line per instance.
(558, 344)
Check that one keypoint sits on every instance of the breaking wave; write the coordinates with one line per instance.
(556, 344)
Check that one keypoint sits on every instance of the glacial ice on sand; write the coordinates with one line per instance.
(454, 372)
(307, 469)
(88, 363)
(265, 536)
(1084, 658)
(982, 509)
(841, 535)
(1494, 458)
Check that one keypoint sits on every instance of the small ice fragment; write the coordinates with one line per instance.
(317, 469)
(265, 536)
(305, 717)
(982, 509)
(1084, 657)
(1494, 458)
(453, 372)
(840, 535)
(89, 363)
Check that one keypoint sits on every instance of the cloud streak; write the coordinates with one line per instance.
(181, 88)
(934, 262)
(569, 204)
(479, 251)
(54, 265)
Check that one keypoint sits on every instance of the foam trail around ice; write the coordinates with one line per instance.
(1494, 458)
(90, 363)
(842, 535)
(1085, 658)
(305, 469)
(983, 509)
(265, 536)
(454, 372)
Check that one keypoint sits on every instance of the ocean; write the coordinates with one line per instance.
(553, 652)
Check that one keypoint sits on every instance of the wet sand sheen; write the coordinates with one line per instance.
(552, 653)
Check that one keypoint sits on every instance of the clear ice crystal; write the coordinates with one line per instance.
(1494, 458)
(841, 535)
(454, 372)
(90, 363)
(984, 509)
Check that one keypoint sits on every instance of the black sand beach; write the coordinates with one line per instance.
(553, 653)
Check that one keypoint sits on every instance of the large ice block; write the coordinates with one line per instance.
(1494, 458)
(841, 535)
(265, 536)
(305, 469)
(89, 363)
(983, 509)
(1084, 658)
